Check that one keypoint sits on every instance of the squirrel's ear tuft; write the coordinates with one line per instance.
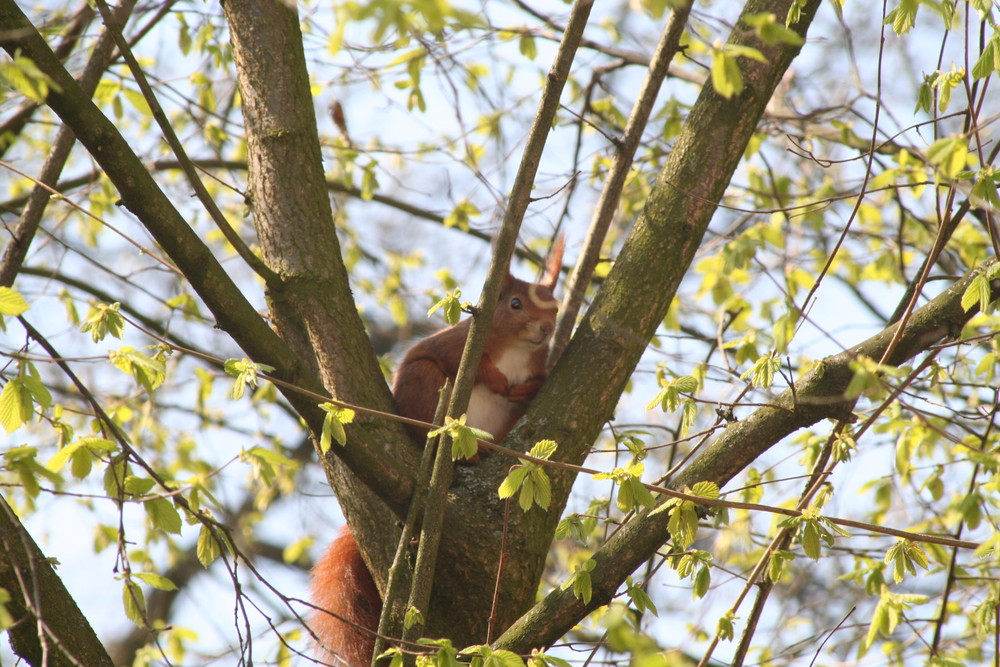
(554, 265)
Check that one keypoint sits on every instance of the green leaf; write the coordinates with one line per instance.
(452, 307)
(11, 302)
(333, 425)
(461, 216)
(580, 581)
(989, 60)
(163, 515)
(949, 155)
(702, 582)
(686, 384)
(725, 628)
(763, 371)
(527, 46)
(541, 659)
(104, 320)
(771, 31)
(156, 581)
(412, 617)
(903, 16)
(905, 556)
(245, 372)
(464, 439)
(207, 549)
(640, 598)
(149, 372)
(537, 489)
(544, 449)
(63, 456)
(369, 181)
(512, 483)
(706, 490)
(33, 382)
(16, 406)
(26, 78)
(726, 76)
(977, 293)
(810, 540)
(138, 486)
(138, 102)
(135, 603)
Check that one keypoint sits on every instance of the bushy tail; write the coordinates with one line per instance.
(343, 586)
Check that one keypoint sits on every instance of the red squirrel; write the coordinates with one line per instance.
(511, 371)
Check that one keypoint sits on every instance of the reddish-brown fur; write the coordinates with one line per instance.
(518, 344)
(343, 586)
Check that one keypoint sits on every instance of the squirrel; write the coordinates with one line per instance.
(512, 369)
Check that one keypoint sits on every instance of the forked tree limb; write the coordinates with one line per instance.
(818, 395)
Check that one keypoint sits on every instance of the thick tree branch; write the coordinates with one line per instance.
(818, 395)
(585, 385)
(142, 196)
(31, 216)
(609, 202)
(49, 629)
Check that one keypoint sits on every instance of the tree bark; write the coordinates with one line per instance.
(817, 395)
(583, 389)
(49, 629)
(312, 306)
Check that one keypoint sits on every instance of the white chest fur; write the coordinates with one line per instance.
(488, 411)
(492, 412)
(515, 363)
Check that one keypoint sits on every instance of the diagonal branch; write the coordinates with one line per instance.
(818, 395)
(48, 626)
(142, 196)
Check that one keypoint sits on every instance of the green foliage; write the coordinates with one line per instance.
(669, 397)
(333, 425)
(11, 303)
(683, 525)
(812, 529)
(695, 565)
(814, 240)
(888, 613)
(632, 493)
(452, 306)
(529, 479)
(20, 395)
(867, 379)
(542, 659)
(412, 617)
(639, 597)
(903, 17)
(104, 320)
(724, 629)
(6, 620)
(461, 216)
(905, 556)
(764, 369)
(580, 581)
(445, 657)
(23, 75)
(147, 371)
(246, 373)
(464, 439)
(135, 603)
(978, 293)
(771, 31)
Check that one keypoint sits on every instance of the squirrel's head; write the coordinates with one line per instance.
(528, 310)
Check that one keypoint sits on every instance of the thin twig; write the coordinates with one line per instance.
(604, 213)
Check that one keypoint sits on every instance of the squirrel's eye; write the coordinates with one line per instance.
(515, 303)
